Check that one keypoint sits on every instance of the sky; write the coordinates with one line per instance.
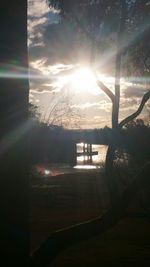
(61, 82)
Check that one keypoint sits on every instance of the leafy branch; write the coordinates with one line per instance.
(136, 113)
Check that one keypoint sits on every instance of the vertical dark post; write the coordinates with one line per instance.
(84, 150)
(73, 154)
(90, 153)
(14, 126)
(86, 153)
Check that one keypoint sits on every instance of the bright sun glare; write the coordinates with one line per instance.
(82, 79)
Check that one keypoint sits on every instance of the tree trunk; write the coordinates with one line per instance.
(115, 106)
(111, 183)
(14, 126)
(110, 157)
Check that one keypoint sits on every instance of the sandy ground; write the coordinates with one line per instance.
(72, 198)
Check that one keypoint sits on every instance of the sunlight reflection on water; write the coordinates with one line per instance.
(46, 171)
(87, 167)
(96, 159)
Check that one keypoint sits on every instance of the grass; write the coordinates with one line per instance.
(72, 198)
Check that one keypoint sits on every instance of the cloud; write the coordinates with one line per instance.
(45, 77)
(37, 79)
(105, 106)
(101, 107)
(86, 105)
(37, 8)
(125, 103)
(135, 90)
(54, 49)
(31, 96)
(39, 15)
(98, 122)
(40, 92)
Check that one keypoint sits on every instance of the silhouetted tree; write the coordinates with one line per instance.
(97, 12)
(137, 141)
(121, 17)
(14, 165)
(34, 111)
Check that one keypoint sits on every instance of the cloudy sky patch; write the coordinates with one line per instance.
(52, 60)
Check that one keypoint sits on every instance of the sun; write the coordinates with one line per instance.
(83, 80)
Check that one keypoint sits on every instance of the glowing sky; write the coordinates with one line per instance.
(51, 83)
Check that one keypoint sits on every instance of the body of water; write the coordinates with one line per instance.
(96, 159)
(83, 164)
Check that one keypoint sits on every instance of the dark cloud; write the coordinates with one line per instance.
(127, 102)
(37, 52)
(39, 15)
(64, 43)
(38, 80)
(134, 91)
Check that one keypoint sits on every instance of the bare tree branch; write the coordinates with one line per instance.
(106, 90)
(52, 110)
(64, 238)
(139, 110)
(103, 87)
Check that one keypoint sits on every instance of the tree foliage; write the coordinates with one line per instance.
(99, 19)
